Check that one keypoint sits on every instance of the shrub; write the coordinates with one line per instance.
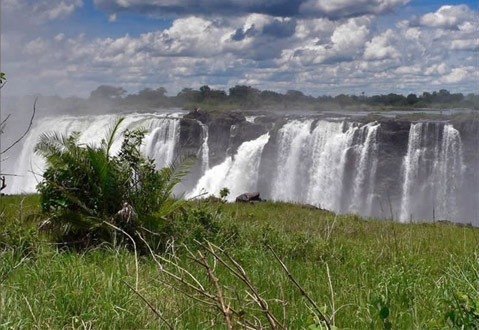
(86, 190)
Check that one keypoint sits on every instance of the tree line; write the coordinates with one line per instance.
(110, 98)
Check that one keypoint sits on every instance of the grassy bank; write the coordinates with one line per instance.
(381, 273)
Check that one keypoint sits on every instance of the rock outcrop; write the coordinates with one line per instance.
(249, 197)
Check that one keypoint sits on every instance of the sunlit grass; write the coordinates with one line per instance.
(412, 269)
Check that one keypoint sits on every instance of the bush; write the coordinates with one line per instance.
(86, 191)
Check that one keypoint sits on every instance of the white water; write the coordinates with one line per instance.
(205, 150)
(364, 183)
(331, 143)
(433, 170)
(311, 165)
(159, 143)
(293, 142)
(238, 173)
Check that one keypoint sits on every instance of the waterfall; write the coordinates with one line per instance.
(411, 169)
(293, 141)
(330, 145)
(205, 150)
(433, 171)
(314, 164)
(364, 183)
(448, 173)
(343, 166)
(238, 173)
(160, 141)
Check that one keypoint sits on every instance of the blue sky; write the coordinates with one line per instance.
(69, 47)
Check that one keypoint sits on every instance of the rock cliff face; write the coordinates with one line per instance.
(386, 168)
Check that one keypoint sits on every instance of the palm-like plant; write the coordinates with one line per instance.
(85, 188)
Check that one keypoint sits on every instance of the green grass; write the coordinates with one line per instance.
(413, 270)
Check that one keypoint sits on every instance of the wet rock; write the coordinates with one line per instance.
(249, 197)
(199, 115)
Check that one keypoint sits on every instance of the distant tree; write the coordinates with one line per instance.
(271, 96)
(204, 90)
(242, 92)
(295, 96)
(426, 97)
(211, 94)
(412, 99)
(247, 96)
(343, 100)
(105, 92)
(188, 95)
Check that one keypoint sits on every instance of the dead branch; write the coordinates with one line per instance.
(134, 248)
(177, 278)
(333, 313)
(154, 310)
(26, 131)
(224, 309)
(241, 274)
(2, 124)
(3, 185)
(301, 290)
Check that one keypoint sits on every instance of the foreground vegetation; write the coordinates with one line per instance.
(107, 245)
(382, 274)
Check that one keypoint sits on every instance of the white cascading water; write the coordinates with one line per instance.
(159, 142)
(205, 150)
(293, 141)
(330, 144)
(449, 171)
(238, 173)
(364, 183)
(410, 168)
(433, 170)
(311, 165)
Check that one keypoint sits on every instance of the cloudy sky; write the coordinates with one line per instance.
(69, 47)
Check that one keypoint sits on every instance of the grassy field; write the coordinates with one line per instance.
(363, 274)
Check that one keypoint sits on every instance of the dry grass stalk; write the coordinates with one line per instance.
(192, 288)
(224, 309)
(323, 317)
(134, 248)
(333, 309)
(241, 274)
(149, 305)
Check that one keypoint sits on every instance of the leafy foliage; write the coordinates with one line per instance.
(86, 189)
(224, 193)
(464, 311)
(3, 79)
